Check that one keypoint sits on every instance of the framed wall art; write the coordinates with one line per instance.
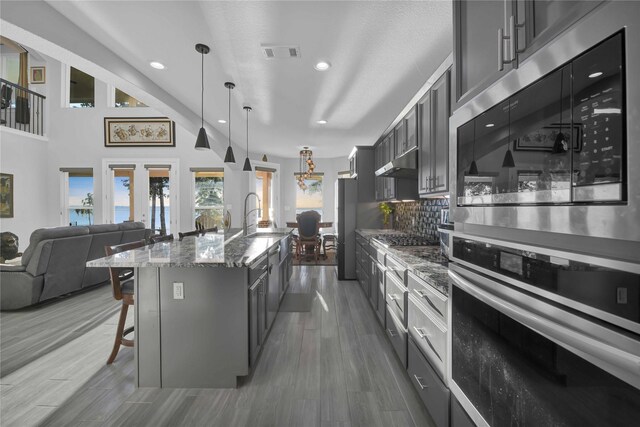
(38, 75)
(139, 132)
(6, 195)
(544, 138)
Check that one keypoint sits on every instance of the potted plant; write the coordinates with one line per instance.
(387, 210)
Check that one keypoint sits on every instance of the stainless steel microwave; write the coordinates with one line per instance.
(552, 145)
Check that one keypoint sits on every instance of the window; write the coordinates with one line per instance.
(123, 194)
(209, 197)
(264, 188)
(124, 100)
(309, 196)
(77, 196)
(81, 89)
(159, 199)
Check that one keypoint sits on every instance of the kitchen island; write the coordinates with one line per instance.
(204, 305)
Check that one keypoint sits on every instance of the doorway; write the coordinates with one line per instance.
(144, 191)
(267, 187)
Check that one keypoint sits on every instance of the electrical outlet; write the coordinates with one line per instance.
(178, 290)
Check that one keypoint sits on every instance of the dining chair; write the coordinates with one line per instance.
(122, 286)
(158, 239)
(308, 233)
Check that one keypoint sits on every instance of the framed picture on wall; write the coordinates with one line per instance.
(139, 132)
(6, 195)
(38, 75)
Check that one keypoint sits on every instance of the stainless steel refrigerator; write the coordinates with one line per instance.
(346, 204)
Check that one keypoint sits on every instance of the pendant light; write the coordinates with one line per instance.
(247, 162)
(560, 145)
(229, 157)
(508, 161)
(473, 169)
(202, 142)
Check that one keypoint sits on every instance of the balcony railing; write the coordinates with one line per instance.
(22, 109)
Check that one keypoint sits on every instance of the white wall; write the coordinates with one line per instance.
(26, 159)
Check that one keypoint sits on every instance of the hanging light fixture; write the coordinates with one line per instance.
(247, 162)
(229, 157)
(307, 167)
(508, 161)
(560, 145)
(473, 169)
(202, 141)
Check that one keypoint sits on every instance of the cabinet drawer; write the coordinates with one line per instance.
(379, 253)
(432, 391)
(397, 335)
(430, 297)
(256, 270)
(429, 333)
(396, 297)
(398, 269)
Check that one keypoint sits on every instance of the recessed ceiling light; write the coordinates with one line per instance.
(321, 122)
(596, 74)
(322, 66)
(489, 125)
(222, 121)
(157, 65)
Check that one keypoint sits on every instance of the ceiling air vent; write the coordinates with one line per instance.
(274, 51)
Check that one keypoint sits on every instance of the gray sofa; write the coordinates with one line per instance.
(54, 262)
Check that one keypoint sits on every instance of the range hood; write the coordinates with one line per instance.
(405, 166)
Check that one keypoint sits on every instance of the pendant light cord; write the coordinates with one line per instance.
(229, 116)
(247, 133)
(202, 91)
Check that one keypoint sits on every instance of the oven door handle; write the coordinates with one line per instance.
(623, 363)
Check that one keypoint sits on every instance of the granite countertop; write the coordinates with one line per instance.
(371, 232)
(426, 262)
(229, 249)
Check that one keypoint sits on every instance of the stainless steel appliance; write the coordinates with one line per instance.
(553, 143)
(346, 205)
(543, 337)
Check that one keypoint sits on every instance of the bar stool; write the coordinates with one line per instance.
(189, 233)
(158, 239)
(328, 242)
(122, 286)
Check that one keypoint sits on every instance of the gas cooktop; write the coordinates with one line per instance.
(404, 240)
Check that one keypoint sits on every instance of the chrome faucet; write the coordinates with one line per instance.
(244, 217)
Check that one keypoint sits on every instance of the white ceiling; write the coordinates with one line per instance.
(382, 53)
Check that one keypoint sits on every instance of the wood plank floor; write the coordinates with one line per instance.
(331, 366)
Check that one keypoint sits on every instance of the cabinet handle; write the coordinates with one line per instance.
(419, 381)
(392, 333)
(421, 333)
(512, 39)
(500, 57)
(392, 297)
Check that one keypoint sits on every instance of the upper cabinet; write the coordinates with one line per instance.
(433, 156)
(492, 37)
(401, 139)
(411, 129)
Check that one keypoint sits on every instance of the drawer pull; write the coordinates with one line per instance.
(425, 296)
(421, 333)
(419, 381)
(392, 297)
(392, 333)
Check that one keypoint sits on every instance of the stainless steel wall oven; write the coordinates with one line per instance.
(544, 338)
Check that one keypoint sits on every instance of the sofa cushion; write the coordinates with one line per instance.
(96, 275)
(130, 225)
(50, 233)
(66, 266)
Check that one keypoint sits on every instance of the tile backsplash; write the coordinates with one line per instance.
(421, 217)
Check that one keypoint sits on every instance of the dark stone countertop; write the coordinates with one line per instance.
(426, 262)
(229, 249)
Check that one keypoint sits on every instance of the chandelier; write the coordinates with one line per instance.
(306, 167)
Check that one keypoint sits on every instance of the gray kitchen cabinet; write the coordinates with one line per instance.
(257, 317)
(424, 143)
(433, 156)
(459, 417)
(400, 142)
(491, 37)
(273, 297)
(476, 49)
(537, 22)
(411, 129)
